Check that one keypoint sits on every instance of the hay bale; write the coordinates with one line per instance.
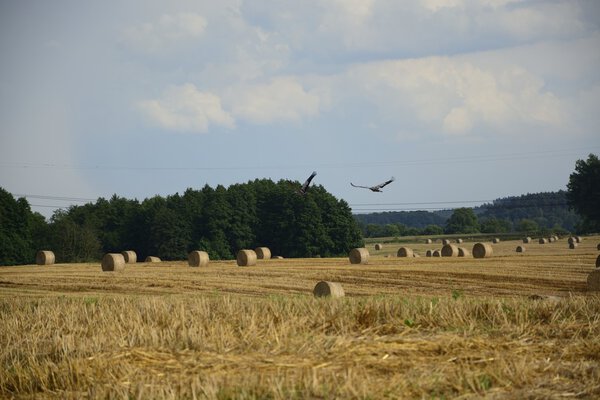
(571, 240)
(520, 249)
(579, 239)
(405, 252)
(598, 247)
(278, 257)
(495, 240)
(572, 246)
(543, 241)
(263, 253)
(45, 257)
(130, 256)
(462, 252)
(428, 253)
(359, 255)
(550, 239)
(328, 289)
(598, 262)
(445, 241)
(415, 255)
(482, 250)
(198, 258)
(378, 246)
(246, 258)
(113, 262)
(436, 253)
(152, 259)
(459, 241)
(527, 240)
(593, 280)
(449, 250)
(428, 241)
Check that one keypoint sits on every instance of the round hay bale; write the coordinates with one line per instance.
(578, 238)
(527, 240)
(198, 258)
(550, 239)
(449, 250)
(152, 259)
(462, 252)
(278, 257)
(113, 262)
(543, 241)
(378, 246)
(572, 246)
(263, 253)
(436, 253)
(598, 247)
(593, 280)
(482, 250)
(405, 252)
(495, 240)
(520, 249)
(328, 289)
(45, 257)
(445, 241)
(598, 262)
(246, 258)
(359, 255)
(571, 240)
(130, 256)
(459, 241)
(428, 241)
(428, 253)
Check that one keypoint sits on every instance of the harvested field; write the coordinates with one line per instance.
(407, 328)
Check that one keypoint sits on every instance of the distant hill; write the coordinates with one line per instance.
(547, 209)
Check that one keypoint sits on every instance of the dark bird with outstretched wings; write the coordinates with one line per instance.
(305, 185)
(376, 188)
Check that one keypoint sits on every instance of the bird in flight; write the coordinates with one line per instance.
(304, 187)
(376, 188)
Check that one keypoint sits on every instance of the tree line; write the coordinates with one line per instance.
(218, 220)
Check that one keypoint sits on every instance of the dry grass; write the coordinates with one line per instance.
(407, 328)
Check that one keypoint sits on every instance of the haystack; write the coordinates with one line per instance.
(405, 252)
(428, 241)
(598, 247)
(449, 250)
(482, 250)
(130, 256)
(543, 241)
(598, 262)
(246, 258)
(263, 253)
(578, 238)
(573, 245)
(593, 280)
(436, 253)
(495, 240)
(278, 257)
(462, 252)
(198, 258)
(378, 246)
(428, 253)
(45, 257)
(113, 262)
(459, 241)
(359, 255)
(527, 240)
(445, 241)
(551, 239)
(152, 259)
(328, 289)
(520, 249)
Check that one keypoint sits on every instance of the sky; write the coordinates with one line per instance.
(462, 101)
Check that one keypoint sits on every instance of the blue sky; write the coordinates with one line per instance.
(460, 100)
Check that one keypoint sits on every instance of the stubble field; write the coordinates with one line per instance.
(511, 326)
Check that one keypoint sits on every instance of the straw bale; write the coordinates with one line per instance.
(428, 253)
(328, 289)
(130, 256)
(378, 246)
(113, 262)
(598, 247)
(573, 245)
(495, 240)
(445, 241)
(246, 258)
(462, 252)
(359, 256)
(543, 241)
(527, 240)
(578, 238)
(520, 249)
(405, 252)
(263, 253)
(152, 259)
(593, 280)
(436, 253)
(459, 241)
(278, 257)
(428, 241)
(482, 250)
(598, 262)
(449, 250)
(45, 257)
(198, 258)
(551, 239)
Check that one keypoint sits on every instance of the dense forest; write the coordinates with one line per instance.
(218, 220)
(526, 213)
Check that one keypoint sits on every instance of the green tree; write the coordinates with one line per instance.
(528, 225)
(583, 193)
(462, 220)
(495, 225)
(72, 242)
(432, 229)
(16, 245)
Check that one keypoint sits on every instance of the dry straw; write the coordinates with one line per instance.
(428, 253)
(328, 289)
(198, 258)
(462, 252)
(527, 240)
(378, 246)
(246, 258)
(520, 249)
(578, 238)
(459, 241)
(593, 280)
(129, 256)
(436, 253)
(428, 241)
(263, 253)
(482, 250)
(405, 252)
(496, 240)
(543, 241)
(446, 241)
(449, 250)
(359, 255)
(45, 257)
(152, 259)
(113, 262)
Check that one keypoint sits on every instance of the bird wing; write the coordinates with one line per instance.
(358, 186)
(310, 178)
(381, 185)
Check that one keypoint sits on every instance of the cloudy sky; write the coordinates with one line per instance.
(460, 100)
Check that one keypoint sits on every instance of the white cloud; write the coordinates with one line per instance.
(282, 99)
(186, 109)
(167, 30)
